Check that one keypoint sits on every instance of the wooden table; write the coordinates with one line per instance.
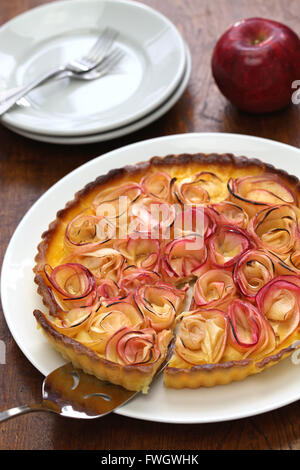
(29, 168)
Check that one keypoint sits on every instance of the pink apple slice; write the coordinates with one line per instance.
(250, 332)
(279, 302)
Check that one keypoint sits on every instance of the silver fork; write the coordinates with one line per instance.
(84, 64)
(107, 65)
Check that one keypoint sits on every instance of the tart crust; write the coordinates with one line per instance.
(135, 377)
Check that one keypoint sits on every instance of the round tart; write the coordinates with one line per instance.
(201, 249)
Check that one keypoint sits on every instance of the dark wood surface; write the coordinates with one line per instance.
(29, 168)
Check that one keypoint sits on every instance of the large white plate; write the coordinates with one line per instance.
(273, 388)
(52, 34)
(115, 133)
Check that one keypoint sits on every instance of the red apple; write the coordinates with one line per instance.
(254, 64)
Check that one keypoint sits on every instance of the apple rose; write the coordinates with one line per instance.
(195, 219)
(76, 320)
(114, 204)
(231, 214)
(88, 232)
(182, 257)
(159, 304)
(250, 332)
(133, 277)
(252, 271)
(202, 336)
(108, 290)
(103, 263)
(227, 245)
(72, 285)
(279, 302)
(253, 193)
(213, 289)
(200, 189)
(129, 346)
(107, 321)
(150, 215)
(276, 229)
(157, 184)
(143, 252)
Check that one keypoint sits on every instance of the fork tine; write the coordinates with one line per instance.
(102, 45)
(110, 61)
(106, 44)
(100, 39)
(110, 57)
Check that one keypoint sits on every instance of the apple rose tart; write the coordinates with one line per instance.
(116, 267)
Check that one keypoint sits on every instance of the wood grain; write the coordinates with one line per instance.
(28, 169)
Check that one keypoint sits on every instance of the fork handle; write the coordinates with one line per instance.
(20, 410)
(9, 97)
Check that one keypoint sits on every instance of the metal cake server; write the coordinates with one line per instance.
(71, 392)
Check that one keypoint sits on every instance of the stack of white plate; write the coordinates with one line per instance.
(147, 82)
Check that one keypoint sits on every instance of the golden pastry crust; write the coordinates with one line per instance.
(227, 168)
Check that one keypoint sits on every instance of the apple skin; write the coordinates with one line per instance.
(254, 64)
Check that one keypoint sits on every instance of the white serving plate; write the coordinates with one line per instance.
(120, 131)
(57, 32)
(273, 388)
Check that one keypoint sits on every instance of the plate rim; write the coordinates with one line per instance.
(9, 118)
(89, 165)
